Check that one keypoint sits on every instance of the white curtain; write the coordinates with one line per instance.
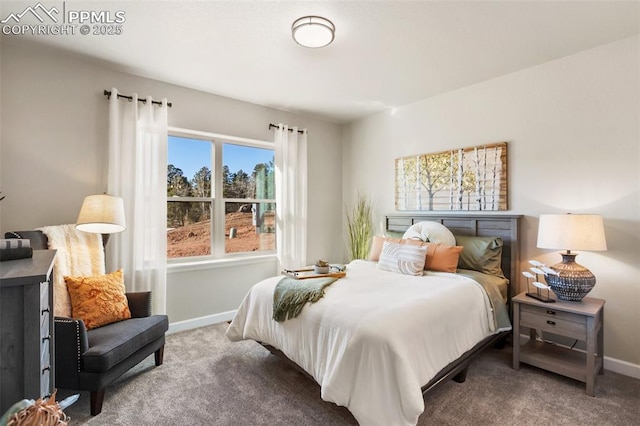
(138, 174)
(291, 196)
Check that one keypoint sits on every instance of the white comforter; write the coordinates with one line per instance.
(375, 338)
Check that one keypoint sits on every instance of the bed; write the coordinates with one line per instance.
(378, 340)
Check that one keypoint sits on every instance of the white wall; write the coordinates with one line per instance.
(573, 128)
(54, 152)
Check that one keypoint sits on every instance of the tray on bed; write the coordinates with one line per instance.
(306, 273)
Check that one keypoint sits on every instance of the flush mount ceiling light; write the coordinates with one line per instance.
(313, 31)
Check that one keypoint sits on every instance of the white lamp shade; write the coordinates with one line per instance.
(571, 232)
(101, 214)
(313, 31)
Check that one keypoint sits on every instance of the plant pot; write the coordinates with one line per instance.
(320, 269)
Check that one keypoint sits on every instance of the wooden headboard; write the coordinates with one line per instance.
(483, 225)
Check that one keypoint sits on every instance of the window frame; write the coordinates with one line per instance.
(216, 199)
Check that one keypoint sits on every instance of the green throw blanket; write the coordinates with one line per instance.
(291, 295)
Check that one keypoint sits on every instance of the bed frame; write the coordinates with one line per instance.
(485, 225)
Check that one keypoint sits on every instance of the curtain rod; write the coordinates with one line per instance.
(107, 93)
(271, 125)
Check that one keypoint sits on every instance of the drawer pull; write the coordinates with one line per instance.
(551, 312)
(44, 370)
(44, 339)
(551, 322)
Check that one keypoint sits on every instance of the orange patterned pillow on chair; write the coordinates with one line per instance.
(98, 299)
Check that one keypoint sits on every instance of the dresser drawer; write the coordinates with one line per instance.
(45, 340)
(44, 353)
(44, 325)
(547, 319)
(45, 367)
(44, 295)
(45, 309)
(44, 320)
(45, 384)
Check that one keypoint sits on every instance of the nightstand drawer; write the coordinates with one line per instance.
(554, 314)
(563, 323)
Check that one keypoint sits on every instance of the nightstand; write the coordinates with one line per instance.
(575, 320)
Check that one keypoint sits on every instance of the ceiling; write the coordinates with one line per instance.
(385, 54)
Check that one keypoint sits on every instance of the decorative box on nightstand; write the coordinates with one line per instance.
(582, 321)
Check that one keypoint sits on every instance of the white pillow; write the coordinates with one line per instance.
(430, 232)
(402, 258)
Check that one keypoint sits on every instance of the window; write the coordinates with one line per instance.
(220, 196)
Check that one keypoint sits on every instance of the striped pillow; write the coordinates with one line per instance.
(402, 258)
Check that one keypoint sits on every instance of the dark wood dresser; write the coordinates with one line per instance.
(26, 328)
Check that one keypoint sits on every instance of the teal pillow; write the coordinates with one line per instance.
(482, 254)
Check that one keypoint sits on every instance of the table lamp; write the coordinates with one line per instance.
(571, 232)
(101, 214)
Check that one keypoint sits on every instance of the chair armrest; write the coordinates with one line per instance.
(139, 304)
(70, 343)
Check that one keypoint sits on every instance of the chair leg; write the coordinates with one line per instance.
(461, 376)
(96, 401)
(159, 355)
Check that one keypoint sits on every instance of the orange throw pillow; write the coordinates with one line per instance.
(442, 258)
(99, 299)
(376, 247)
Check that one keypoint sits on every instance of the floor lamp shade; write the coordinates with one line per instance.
(101, 214)
(572, 281)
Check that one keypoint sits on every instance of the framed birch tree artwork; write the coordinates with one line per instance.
(472, 178)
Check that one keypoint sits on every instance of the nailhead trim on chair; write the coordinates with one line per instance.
(77, 338)
(78, 343)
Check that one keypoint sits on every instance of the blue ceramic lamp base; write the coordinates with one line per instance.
(573, 281)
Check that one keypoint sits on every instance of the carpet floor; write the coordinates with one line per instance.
(208, 380)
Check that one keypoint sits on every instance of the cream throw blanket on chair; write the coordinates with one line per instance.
(78, 253)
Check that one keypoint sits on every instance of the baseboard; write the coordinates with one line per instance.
(622, 367)
(190, 324)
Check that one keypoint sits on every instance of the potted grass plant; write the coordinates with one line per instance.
(360, 228)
